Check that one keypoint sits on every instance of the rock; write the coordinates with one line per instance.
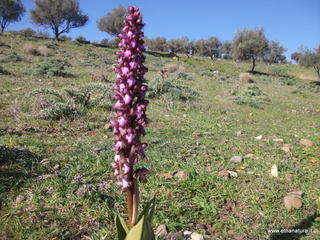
(236, 159)
(298, 194)
(292, 202)
(306, 142)
(97, 150)
(161, 230)
(181, 175)
(259, 137)
(233, 174)
(239, 133)
(166, 175)
(197, 134)
(249, 155)
(228, 174)
(286, 148)
(108, 126)
(274, 171)
(223, 173)
(288, 176)
(192, 235)
(56, 167)
(20, 198)
(279, 140)
(174, 236)
(44, 161)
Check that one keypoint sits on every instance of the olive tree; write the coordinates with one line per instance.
(274, 53)
(112, 22)
(10, 11)
(178, 45)
(311, 58)
(249, 44)
(59, 15)
(210, 47)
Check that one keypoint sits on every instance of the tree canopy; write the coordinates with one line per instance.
(10, 11)
(111, 23)
(59, 15)
(250, 44)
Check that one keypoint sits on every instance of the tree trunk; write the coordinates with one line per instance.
(56, 33)
(318, 71)
(253, 63)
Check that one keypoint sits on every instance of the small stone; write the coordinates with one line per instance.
(192, 235)
(274, 171)
(223, 173)
(166, 175)
(296, 193)
(249, 155)
(56, 167)
(288, 176)
(259, 137)
(286, 148)
(292, 202)
(181, 175)
(236, 159)
(44, 161)
(197, 134)
(20, 198)
(306, 142)
(161, 230)
(232, 174)
(279, 140)
(239, 133)
(97, 150)
(174, 236)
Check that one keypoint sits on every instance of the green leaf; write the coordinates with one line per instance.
(141, 231)
(146, 210)
(136, 232)
(122, 228)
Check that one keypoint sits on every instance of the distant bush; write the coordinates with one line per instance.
(68, 103)
(11, 57)
(28, 32)
(250, 95)
(43, 51)
(171, 90)
(81, 40)
(43, 35)
(65, 38)
(206, 74)
(311, 86)
(184, 76)
(50, 67)
(29, 48)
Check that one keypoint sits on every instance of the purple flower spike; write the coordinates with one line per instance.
(130, 105)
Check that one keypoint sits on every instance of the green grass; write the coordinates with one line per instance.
(43, 200)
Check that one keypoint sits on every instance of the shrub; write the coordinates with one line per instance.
(184, 76)
(43, 51)
(29, 48)
(251, 95)
(28, 32)
(311, 86)
(82, 40)
(246, 78)
(43, 35)
(92, 95)
(12, 57)
(51, 67)
(172, 91)
(65, 38)
(70, 103)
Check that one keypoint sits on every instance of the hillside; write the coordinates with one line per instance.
(55, 144)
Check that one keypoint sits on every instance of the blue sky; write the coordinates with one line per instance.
(293, 23)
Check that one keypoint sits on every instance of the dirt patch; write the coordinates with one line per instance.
(304, 76)
(231, 208)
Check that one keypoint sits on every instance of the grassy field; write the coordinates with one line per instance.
(55, 144)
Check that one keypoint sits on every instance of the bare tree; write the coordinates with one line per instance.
(59, 15)
(249, 44)
(10, 11)
(112, 22)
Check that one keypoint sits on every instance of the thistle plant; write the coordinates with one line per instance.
(130, 110)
